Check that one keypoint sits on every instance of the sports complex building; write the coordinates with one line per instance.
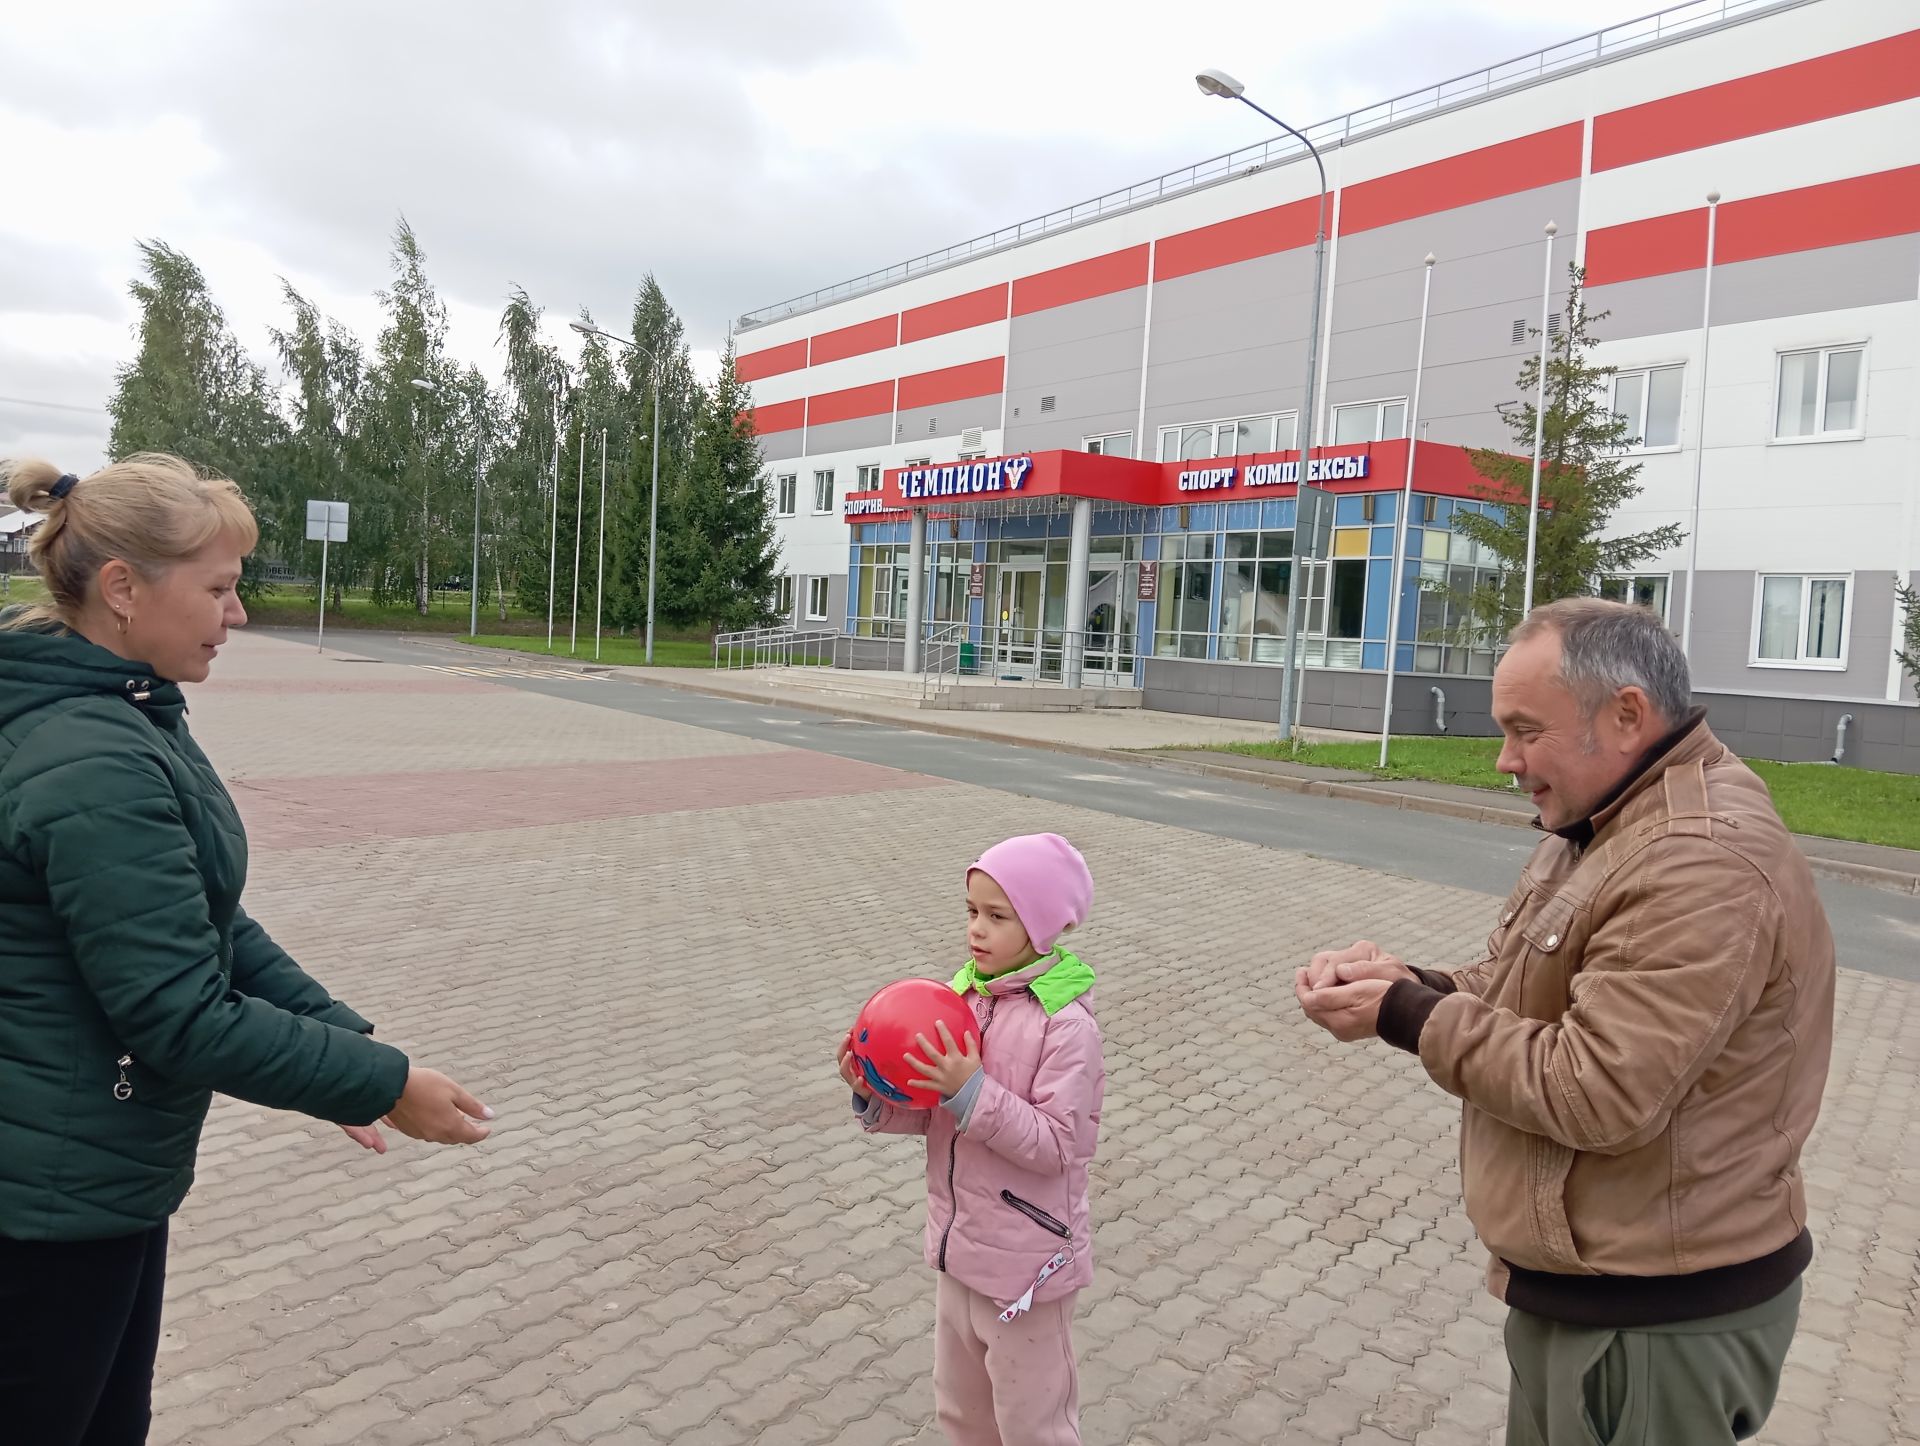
(1085, 427)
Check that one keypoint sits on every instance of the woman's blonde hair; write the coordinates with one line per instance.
(151, 511)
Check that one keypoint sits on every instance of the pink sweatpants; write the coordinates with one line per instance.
(1004, 1385)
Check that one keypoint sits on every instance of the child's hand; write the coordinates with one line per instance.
(850, 1072)
(945, 1069)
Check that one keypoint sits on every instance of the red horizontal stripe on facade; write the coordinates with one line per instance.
(1243, 238)
(1651, 247)
(956, 313)
(952, 384)
(855, 340)
(1081, 281)
(1841, 83)
(779, 417)
(1523, 164)
(751, 366)
(845, 405)
(1834, 213)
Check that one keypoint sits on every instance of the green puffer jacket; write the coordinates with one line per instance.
(124, 954)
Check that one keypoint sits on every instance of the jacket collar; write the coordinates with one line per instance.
(1055, 979)
(1691, 740)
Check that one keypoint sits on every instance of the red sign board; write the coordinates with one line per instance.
(977, 580)
(1149, 581)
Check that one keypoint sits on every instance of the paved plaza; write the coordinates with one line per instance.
(639, 941)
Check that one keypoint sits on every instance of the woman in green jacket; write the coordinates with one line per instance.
(132, 984)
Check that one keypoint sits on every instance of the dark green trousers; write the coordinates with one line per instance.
(1692, 1383)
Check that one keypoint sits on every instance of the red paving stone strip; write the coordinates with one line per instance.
(293, 813)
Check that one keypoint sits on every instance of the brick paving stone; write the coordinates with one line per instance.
(604, 935)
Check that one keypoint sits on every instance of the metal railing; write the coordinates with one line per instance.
(777, 648)
(1601, 45)
(1031, 657)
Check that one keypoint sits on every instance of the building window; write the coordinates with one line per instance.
(1820, 394)
(817, 599)
(1254, 592)
(823, 491)
(788, 492)
(1648, 400)
(1644, 589)
(1233, 437)
(1185, 615)
(1113, 444)
(870, 477)
(783, 596)
(1380, 421)
(1801, 621)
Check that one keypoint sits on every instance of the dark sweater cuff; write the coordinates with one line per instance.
(1435, 979)
(1403, 1013)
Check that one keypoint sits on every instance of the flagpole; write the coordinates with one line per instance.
(1406, 507)
(600, 586)
(1539, 423)
(1699, 428)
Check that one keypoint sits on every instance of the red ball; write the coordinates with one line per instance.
(885, 1032)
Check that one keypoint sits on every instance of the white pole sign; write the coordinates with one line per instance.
(326, 524)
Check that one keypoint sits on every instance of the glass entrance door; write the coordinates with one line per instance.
(1019, 600)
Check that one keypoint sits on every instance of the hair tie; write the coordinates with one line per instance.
(65, 485)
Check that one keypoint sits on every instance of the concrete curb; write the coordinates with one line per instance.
(1380, 795)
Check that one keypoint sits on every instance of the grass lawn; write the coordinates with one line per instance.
(626, 652)
(1818, 799)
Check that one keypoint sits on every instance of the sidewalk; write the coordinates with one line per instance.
(1175, 741)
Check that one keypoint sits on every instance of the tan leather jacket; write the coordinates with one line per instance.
(1643, 1050)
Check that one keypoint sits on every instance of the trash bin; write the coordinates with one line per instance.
(966, 657)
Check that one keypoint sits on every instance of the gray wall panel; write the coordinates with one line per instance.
(1086, 356)
(780, 446)
(1230, 341)
(926, 426)
(1867, 273)
(1723, 640)
(846, 436)
(1486, 276)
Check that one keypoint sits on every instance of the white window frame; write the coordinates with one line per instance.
(1666, 615)
(1638, 448)
(823, 477)
(818, 587)
(786, 494)
(1856, 433)
(783, 596)
(1086, 443)
(1273, 419)
(1379, 405)
(1802, 663)
(869, 474)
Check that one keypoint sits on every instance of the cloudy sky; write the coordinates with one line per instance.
(743, 152)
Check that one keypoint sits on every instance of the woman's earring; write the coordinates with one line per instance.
(121, 620)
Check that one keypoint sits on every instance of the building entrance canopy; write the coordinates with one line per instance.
(990, 483)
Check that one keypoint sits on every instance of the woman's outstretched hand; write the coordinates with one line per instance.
(435, 1109)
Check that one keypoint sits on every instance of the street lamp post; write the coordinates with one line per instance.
(653, 501)
(1219, 83)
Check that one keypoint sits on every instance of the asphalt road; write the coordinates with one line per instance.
(1876, 931)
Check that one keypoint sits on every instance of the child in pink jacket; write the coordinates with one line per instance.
(1008, 1227)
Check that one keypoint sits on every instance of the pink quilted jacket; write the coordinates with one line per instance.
(1009, 1193)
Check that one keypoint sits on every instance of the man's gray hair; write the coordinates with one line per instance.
(1606, 646)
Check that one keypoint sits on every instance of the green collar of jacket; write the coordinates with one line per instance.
(1056, 980)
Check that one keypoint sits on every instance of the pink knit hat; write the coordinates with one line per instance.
(1045, 880)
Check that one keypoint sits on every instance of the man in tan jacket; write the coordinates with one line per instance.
(1641, 1053)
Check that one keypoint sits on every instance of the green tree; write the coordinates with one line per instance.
(325, 376)
(657, 333)
(406, 425)
(537, 387)
(191, 389)
(722, 554)
(1909, 650)
(1584, 480)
